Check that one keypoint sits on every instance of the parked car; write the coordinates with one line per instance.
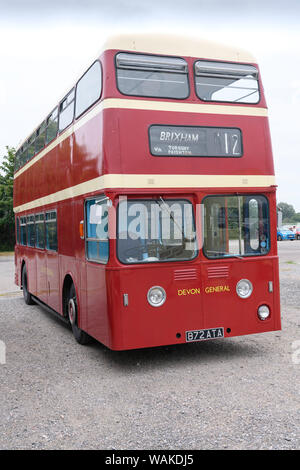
(294, 228)
(285, 234)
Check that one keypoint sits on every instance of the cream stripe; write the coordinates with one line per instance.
(151, 181)
(116, 103)
(185, 107)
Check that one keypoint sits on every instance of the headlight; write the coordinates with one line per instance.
(244, 288)
(156, 296)
(263, 312)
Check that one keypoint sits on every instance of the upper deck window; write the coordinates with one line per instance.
(52, 126)
(30, 147)
(40, 137)
(221, 81)
(18, 159)
(66, 111)
(152, 76)
(88, 89)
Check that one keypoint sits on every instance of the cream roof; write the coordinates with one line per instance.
(177, 46)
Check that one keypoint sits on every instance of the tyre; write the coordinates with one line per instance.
(279, 238)
(80, 335)
(27, 296)
(298, 237)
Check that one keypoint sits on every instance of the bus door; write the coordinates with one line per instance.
(97, 253)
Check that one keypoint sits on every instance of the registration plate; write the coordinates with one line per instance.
(200, 335)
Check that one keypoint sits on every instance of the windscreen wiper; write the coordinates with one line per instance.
(165, 205)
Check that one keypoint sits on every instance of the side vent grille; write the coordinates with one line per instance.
(217, 271)
(185, 274)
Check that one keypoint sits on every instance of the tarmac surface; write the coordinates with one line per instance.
(238, 393)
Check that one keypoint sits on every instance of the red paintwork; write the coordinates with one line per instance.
(116, 141)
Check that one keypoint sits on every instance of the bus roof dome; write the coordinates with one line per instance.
(167, 44)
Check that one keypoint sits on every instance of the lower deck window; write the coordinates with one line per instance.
(97, 248)
(51, 231)
(236, 226)
(155, 230)
(18, 230)
(40, 230)
(23, 232)
(30, 231)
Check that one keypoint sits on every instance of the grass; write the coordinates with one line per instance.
(290, 262)
(6, 253)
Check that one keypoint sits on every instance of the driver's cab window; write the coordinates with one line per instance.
(96, 212)
(155, 230)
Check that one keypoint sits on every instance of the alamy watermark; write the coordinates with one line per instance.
(296, 352)
(171, 221)
(2, 353)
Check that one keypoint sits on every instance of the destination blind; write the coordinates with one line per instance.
(184, 141)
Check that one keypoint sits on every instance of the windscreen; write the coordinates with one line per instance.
(236, 226)
(155, 231)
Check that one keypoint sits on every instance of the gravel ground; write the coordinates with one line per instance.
(238, 393)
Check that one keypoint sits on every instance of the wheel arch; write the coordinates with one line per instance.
(23, 263)
(67, 283)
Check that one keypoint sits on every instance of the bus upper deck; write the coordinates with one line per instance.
(207, 109)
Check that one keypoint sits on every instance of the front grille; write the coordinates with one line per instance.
(217, 272)
(185, 274)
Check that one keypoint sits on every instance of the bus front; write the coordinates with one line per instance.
(192, 184)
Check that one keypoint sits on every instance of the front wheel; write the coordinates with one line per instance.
(298, 237)
(26, 294)
(81, 336)
(279, 238)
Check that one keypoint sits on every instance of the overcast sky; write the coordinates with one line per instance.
(46, 45)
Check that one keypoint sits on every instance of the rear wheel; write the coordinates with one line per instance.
(298, 237)
(279, 238)
(26, 294)
(80, 335)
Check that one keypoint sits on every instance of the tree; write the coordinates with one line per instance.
(7, 219)
(296, 218)
(288, 211)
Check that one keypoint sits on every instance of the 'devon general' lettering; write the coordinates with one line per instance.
(216, 289)
(193, 291)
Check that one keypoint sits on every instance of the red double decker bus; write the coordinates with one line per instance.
(145, 202)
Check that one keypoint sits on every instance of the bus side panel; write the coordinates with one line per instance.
(97, 311)
(82, 294)
(53, 281)
(17, 266)
(87, 151)
(41, 280)
(31, 270)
